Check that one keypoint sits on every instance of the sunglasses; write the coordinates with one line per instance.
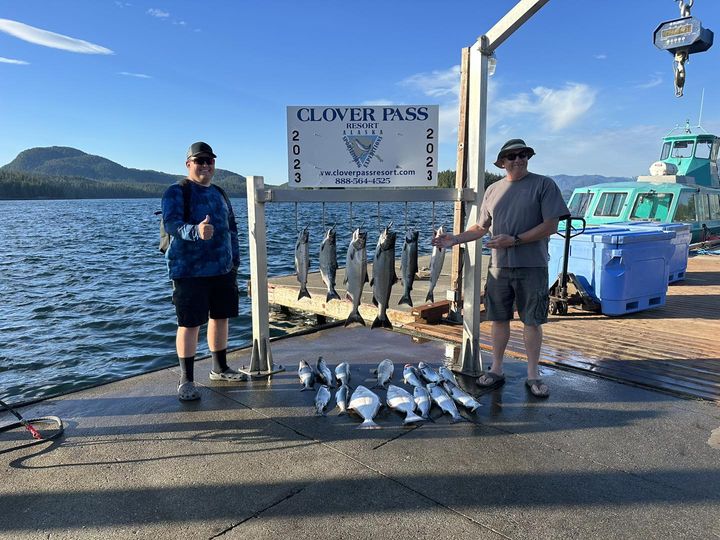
(203, 160)
(521, 155)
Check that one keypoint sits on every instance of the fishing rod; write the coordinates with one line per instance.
(28, 425)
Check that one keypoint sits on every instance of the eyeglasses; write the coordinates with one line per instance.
(521, 155)
(203, 160)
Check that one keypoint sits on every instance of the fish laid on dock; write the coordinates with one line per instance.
(322, 398)
(356, 274)
(437, 259)
(412, 376)
(447, 375)
(428, 373)
(307, 375)
(342, 373)
(324, 372)
(385, 372)
(409, 265)
(341, 399)
(400, 399)
(445, 402)
(366, 404)
(384, 276)
(328, 263)
(302, 262)
(422, 401)
(460, 396)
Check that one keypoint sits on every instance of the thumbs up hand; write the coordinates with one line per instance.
(205, 229)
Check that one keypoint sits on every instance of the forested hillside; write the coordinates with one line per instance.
(60, 172)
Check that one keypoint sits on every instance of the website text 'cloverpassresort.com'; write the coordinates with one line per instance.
(364, 176)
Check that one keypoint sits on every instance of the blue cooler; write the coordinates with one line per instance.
(624, 269)
(681, 244)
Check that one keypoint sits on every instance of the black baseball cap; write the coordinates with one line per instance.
(200, 149)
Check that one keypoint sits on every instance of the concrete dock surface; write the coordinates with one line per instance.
(598, 459)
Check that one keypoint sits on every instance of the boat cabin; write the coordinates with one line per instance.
(683, 186)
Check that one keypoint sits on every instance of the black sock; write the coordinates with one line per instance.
(219, 359)
(186, 368)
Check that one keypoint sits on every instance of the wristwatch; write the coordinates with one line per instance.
(516, 240)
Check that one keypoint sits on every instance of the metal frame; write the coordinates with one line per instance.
(261, 364)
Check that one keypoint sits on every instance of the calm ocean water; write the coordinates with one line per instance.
(85, 293)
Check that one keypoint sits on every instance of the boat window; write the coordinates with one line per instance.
(579, 203)
(652, 206)
(610, 204)
(703, 206)
(682, 149)
(665, 151)
(702, 150)
(714, 206)
(686, 207)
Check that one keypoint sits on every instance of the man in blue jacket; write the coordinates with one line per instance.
(202, 261)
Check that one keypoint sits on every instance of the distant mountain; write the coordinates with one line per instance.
(568, 183)
(63, 161)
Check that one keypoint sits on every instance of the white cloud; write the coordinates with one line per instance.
(50, 39)
(138, 75)
(436, 83)
(159, 13)
(601, 56)
(656, 80)
(12, 61)
(559, 108)
(181, 23)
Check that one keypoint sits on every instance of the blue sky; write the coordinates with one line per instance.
(137, 81)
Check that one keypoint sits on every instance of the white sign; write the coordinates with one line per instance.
(362, 146)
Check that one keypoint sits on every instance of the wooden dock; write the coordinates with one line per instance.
(675, 348)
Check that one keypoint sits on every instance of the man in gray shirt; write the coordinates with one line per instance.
(521, 211)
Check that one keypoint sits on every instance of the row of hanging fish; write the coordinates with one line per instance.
(429, 386)
(356, 275)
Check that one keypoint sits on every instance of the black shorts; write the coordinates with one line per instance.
(197, 298)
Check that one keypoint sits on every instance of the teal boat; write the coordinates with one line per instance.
(683, 187)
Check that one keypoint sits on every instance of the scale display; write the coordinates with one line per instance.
(686, 33)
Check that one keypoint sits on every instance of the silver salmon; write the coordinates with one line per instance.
(302, 262)
(328, 263)
(384, 276)
(437, 259)
(422, 401)
(341, 399)
(428, 373)
(409, 265)
(460, 396)
(440, 397)
(356, 274)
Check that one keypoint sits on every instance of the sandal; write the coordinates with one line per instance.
(228, 375)
(187, 391)
(537, 388)
(490, 380)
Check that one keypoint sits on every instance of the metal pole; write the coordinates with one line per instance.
(261, 362)
(470, 357)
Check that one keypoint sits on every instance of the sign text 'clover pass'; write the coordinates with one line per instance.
(362, 146)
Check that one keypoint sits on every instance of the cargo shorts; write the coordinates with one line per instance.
(197, 298)
(526, 288)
